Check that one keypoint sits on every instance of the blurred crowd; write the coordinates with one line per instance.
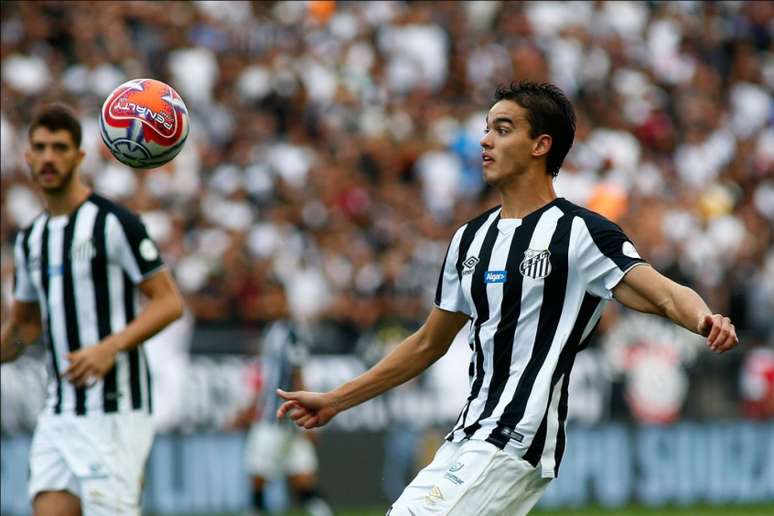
(335, 145)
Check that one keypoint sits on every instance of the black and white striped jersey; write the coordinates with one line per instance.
(283, 352)
(534, 289)
(83, 270)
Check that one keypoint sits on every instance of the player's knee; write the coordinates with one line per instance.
(56, 503)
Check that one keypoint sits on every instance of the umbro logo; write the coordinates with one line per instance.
(469, 265)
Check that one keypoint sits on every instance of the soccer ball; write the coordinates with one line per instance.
(144, 123)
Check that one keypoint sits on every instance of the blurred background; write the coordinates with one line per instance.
(333, 152)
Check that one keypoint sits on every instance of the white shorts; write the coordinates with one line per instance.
(472, 477)
(99, 458)
(275, 450)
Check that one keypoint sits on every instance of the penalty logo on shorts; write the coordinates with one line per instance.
(536, 264)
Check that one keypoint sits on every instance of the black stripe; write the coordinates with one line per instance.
(481, 301)
(134, 353)
(71, 312)
(608, 237)
(564, 366)
(561, 438)
(25, 248)
(509, 318)
(44, 280)
(134, 230)
(554, 289)
(467, 237)
(99, 276)
(148, 382)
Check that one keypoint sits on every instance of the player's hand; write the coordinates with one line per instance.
(720, 333)
(89, 365)
(306, 409)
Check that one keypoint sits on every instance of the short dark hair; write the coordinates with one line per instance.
(55, 117)
(548, 112)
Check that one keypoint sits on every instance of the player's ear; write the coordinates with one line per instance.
(542, 145)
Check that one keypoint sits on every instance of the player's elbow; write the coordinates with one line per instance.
(176, 306)
(429, 349)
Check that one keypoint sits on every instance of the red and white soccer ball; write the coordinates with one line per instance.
(144, 123)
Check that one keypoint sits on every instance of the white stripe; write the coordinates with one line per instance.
(601, 273)
(529, 316)
(83, 287)
(474, 250)
(494, 294)
(548, 461)
(56, 304)
(450, 284)
(119, 248)
(36, 274)
(117, 323)
(538, 399)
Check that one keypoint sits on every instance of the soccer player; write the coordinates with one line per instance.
(533, 276)
(78, 270)
(274, 448)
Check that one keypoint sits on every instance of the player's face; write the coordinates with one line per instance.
(507, 148)
(53, 158)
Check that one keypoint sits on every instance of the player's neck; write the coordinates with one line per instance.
(65, 202)
(525, 194)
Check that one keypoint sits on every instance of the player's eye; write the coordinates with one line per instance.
(60, 147)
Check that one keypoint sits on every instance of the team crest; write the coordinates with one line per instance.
(536, 264)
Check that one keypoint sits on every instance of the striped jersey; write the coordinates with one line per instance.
(282, 353)
(534, 289)
(83, 270)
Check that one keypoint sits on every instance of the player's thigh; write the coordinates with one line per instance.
(419, 490)
(49, 470)
(478, 478)
(301, 457)
(266, 449)
(509, 485)
(56, 503)
(107, 453)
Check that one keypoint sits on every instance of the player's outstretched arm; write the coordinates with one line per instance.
(407, 360)
(22, 328)
(646, 290)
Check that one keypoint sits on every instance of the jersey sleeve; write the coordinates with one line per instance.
(449, 294)
(604, 254)
(23, 288)
(130, 246)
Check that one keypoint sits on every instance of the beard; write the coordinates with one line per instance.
(64, 179)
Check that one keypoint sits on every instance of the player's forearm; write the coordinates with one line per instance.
(154, 317)
(14, 338)
(685, 307)
(407, 360)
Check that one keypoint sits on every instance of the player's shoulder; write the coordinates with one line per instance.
(121, 212)
(25, 231)
(594, 221)
(478, 220)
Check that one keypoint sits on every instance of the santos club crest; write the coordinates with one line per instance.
(536, 264)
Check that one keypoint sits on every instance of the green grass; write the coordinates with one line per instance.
(736, 510)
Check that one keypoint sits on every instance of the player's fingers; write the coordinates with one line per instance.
(304, 421)
(284, 408)
(290, 396)
(714, 330)
(730, 341)
(77, 368)
(313, 422)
